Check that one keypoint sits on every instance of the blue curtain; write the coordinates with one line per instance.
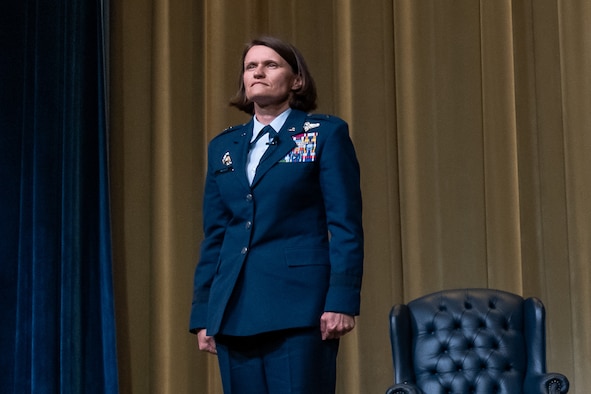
(57, 332)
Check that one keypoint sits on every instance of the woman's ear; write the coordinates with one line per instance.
(297, 83)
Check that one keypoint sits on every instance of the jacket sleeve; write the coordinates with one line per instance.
(215, 219)
(340, 183)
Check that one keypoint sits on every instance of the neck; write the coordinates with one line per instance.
(266, 114)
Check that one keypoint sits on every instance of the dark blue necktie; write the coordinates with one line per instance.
(264, 130)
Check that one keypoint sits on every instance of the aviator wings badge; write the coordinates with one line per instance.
(309, 126)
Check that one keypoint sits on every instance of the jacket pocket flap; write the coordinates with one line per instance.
(303, 257)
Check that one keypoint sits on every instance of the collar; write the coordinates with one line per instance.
(277, 123)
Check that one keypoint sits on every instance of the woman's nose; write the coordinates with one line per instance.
(259, 72)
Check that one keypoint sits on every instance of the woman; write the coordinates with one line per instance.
(279, 277)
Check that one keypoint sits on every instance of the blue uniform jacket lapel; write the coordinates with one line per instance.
(241, 141)
(283, 146)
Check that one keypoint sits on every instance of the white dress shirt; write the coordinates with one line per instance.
(258, 149)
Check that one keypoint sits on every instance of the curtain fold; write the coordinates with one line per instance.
(57, 291)
(471, 123)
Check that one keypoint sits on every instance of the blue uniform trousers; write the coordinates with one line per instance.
(294, 361)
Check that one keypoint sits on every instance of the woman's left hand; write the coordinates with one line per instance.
(334, 325)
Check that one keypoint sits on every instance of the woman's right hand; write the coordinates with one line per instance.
(206, 343)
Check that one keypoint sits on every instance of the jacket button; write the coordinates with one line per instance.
(249, 197)
(244, 250)
(248, 225)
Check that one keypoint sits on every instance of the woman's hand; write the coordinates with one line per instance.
(206, 343)
(334, 325)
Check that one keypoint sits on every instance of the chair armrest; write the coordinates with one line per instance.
(549, 383)
(404, 388)
(401, 343)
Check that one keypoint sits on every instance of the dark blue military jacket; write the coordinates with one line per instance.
(280, 252)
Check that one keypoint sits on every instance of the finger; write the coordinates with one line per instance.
(323, 327)
(332, 332)
(213, 347)
(206, 343)
(209, 348)
(212, 350)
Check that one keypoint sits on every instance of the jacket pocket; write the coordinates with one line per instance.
(301, 257)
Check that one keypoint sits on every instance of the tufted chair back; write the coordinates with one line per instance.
(471, 341)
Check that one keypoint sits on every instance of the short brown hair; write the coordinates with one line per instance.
(303, 99)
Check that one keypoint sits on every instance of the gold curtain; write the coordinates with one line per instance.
(472, 123)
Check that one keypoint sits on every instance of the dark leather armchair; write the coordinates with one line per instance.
(471, 341)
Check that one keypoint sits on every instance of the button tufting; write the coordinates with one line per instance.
(506, 325)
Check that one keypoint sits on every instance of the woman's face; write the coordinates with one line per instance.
(268, 78)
